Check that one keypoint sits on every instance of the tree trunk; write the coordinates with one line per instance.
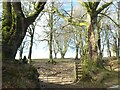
(63, 52)
(62, 55)
(81, 51)
(93, 10)
(99, 47)
(55, 55)
(100, 52)
(32, 30)
(108, 44)
(77, 47)
(118, 51)
(13, 32)
(30, 50)
(21, 52)
(92, 42)
(14, 27)
(10, 48)
(6, 25)
(50, 47)
(51, 34)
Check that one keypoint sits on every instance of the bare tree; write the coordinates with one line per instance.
(31, 31)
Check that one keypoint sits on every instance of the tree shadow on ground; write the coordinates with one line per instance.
(53, 86)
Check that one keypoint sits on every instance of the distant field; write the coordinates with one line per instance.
(57, 60)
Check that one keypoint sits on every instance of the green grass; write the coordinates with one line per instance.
(104, 79)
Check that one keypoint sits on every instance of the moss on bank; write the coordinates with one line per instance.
(102, 79)
(16, 75)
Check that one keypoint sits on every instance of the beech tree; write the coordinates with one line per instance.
(14, 26)
(93, 11)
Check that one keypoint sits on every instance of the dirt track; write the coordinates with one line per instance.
(60, 73)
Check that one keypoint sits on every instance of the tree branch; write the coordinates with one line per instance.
(39, 6)
(68, 19)
(18, 9)
(95, 5)
(110, 19)
(103, 7)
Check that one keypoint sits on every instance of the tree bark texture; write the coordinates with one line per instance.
(92, 41)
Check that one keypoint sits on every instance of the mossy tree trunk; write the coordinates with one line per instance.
(62, 55)
(51, 33)
(14, 26)
(92, 42)
(93, 11)
(50, 47)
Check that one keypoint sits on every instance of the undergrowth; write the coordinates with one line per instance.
(18, 75)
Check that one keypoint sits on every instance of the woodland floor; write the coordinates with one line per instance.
(62, 75)
(59, 75)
